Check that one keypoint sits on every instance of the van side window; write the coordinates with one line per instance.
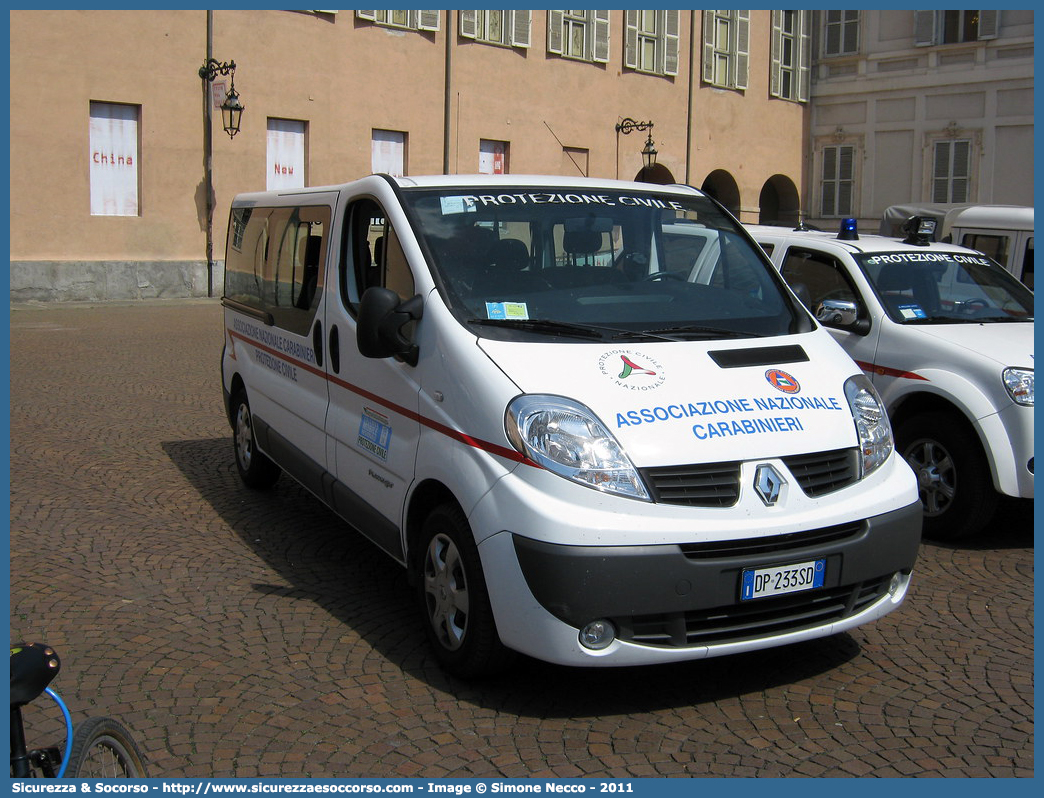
(375, 256)
(274, 262)
(995, 247)
(814, 276)
(1027, 265)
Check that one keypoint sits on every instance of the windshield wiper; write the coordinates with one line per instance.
(704, 332)
(554, 327)
(549, 326)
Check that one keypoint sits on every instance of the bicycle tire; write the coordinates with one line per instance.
(104, 749)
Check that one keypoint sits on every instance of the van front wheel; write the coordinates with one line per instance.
(256, 470)
(452, 594)
(953, 477)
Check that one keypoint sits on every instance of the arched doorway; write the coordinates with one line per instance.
(722, 186)
(657, 173)
(779, 202)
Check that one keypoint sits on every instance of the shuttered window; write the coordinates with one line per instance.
(651, 41)
(951, 27)
(791, 57)
(726, 48)
(410, 19)
(509, 28)
(583, 35)
(951, 171)
(838, 180)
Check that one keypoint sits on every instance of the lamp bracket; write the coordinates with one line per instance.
(626, 125)
(212, 68)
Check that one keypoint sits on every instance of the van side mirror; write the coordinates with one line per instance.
(842, 314)
(381, 319)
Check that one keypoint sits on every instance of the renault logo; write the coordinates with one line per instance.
(768, 482)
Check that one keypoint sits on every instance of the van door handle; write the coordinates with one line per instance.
(335, 350)
(317, 343)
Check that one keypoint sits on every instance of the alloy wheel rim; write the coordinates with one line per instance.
(936, 475)
(244, 436)
(446, 592)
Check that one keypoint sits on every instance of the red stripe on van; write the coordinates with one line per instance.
(449, 432)
(885, 371)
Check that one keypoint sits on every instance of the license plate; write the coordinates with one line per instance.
(782, 579)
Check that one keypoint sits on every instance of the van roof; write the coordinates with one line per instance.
(948, 215)
(1003, 217)
(549, 181)
(476, 183)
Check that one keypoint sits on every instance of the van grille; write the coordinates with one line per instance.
(751, 619)
(707, 485)
(820, 473)
(718, 484)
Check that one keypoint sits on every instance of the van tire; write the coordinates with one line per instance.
(454, 601)
(255, 469)
(953, 477)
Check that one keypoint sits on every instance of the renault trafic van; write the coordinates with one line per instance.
(587, 416)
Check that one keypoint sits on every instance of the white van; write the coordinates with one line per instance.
(516, 388)
(1001, 232)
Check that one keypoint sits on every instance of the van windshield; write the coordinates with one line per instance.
(945, 288)
(531, 262)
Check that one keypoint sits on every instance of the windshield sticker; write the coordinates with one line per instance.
(912, 312)
(782, 381)
(374, 433)
(631, 370)
(507, 310)
(454, 205)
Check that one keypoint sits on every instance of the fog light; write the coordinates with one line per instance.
(597, 635)
(896, 584)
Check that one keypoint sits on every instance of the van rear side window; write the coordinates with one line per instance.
(274, 262)
(995, 247)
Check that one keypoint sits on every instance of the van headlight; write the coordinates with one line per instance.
(567, 438)
(1019, 383)
(871, 421)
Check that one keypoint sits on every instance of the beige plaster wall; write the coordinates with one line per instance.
(345, 77)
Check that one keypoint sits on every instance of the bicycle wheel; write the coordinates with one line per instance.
(103, 749)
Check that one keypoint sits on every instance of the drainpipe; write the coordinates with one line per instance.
(447, 95)
(208, 159)
(693, 50)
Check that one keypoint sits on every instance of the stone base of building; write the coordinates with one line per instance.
(99, 281)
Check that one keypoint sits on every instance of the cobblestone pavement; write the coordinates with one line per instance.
(249, 634)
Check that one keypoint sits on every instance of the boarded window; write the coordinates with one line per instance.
(114, 159)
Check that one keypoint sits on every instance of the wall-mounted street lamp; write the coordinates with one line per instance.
(231, 108)
(649, 153)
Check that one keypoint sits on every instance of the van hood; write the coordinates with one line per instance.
(1007, 344)
(681, 402)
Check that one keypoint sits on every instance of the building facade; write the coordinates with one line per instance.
(919, 107)
(109, 175)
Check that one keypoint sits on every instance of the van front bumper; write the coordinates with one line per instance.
(675, 602)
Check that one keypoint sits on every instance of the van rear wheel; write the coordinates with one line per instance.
(452, 594)
(255, 469)
(953, 477)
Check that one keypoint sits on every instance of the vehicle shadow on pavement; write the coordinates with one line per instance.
(319, 558)
(1011, 528)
